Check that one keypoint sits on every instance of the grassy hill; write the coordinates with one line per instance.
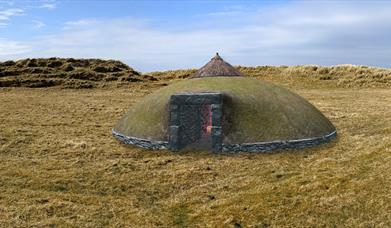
(344, 76)
(93, 73)
(68, 73)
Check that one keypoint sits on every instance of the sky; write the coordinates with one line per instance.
(164, 35)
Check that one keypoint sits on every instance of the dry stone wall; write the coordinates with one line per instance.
(143, 143)
(279, 145)
(233, 148)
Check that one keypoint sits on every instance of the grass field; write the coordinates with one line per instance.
(60, 166)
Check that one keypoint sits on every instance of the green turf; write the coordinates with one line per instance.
(258, 111)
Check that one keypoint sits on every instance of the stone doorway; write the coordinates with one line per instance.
(195, 121)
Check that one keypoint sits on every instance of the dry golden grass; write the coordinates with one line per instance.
(60, 166)
(342, 76)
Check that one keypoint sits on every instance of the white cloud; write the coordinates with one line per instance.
(49, 6)
(6, 15)
(228, 11)
(297, 33)
(37, 24)
(10, 49)
(9, 3)
(79, 23)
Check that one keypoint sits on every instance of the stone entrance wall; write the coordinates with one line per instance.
(186, 121)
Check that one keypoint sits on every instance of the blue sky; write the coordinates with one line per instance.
(162, 35)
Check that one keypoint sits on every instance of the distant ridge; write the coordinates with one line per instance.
(305, 75)
(67, 73)
(95, 73)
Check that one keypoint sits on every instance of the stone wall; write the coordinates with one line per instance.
(279, 145)
(233, 148)
(143, 143)
(185, 119)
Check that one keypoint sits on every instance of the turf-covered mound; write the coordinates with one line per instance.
(257, 111)
(68, 73)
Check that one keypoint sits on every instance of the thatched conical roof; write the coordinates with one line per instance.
(216, 67)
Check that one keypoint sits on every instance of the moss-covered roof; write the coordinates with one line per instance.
(259, 111)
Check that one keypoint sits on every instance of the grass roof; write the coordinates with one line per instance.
(257, 110)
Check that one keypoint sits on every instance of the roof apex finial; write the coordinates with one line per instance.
(217, 57)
